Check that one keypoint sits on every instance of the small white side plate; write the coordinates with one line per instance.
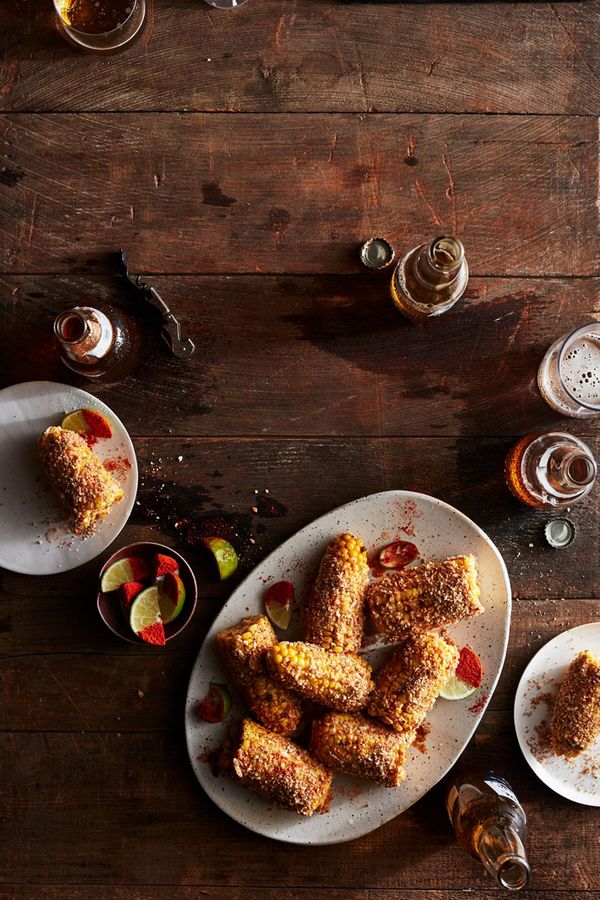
(359, 807)
(576, 779)
(34, 537)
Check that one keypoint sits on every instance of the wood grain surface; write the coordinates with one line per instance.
(186, 192)
(241, 158)
(356, 366)
(317, 55)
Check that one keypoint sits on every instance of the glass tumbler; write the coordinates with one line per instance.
(100, 25)
(569, 374)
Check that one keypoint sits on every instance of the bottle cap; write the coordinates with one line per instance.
(377, 253)
(559, 533)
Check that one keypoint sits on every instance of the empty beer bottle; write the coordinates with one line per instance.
(491, 825)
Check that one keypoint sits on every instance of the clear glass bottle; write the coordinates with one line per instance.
(100, 344)
(430, 278)
(491, 825)
(550, 469)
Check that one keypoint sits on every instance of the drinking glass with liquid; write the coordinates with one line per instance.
(100, 25)
(569, 375)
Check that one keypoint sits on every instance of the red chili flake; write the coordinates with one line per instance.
(153, 634)
(129, 591)
(398, 555)
(479, 705)
(119, 464)
(469, 667)
(97, 424)
(164, 564)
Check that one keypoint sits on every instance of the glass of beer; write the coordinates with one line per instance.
(569, 374)
(225, 4)
(102, 25)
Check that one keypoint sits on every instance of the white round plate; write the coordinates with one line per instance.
(358, 806)
(34, 536)
(576, 779)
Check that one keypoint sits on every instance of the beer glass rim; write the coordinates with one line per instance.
(568, 340)
(134, 4)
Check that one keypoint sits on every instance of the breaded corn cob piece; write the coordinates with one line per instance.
(409, 684)
(576, 718)
(86, 488)
(340, 681)
(274, 766)
(429, 596)
(243, 648)
(354, 745)
(335, 606)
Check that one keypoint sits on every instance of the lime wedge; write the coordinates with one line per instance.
(145, 609)
(225, 556)
(171, 597)
(456, 689)
(130, 568)
(87, 421)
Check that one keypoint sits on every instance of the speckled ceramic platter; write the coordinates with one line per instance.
(358, 806)
(34, 537)
(577, 779)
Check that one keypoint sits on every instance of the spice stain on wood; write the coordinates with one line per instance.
(212, 195)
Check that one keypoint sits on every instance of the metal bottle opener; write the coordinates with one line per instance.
(171, 332)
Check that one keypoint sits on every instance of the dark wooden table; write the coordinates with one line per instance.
(240, 157)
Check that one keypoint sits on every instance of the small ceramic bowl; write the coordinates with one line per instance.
(110, 608)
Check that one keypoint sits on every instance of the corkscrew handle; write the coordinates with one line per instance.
(171, 330)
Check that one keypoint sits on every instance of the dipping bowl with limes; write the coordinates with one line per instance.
(134, 596)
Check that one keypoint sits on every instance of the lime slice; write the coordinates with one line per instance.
(171, 597)
(225, 556)
(278, 603)
(87, 421)
(145, 609)
(130, 568)
(456, 689)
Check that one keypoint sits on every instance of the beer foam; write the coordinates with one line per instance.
(580, 369)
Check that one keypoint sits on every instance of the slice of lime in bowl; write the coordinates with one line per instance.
(145, 609)
(129, 568)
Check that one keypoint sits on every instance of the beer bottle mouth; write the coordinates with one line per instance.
(446, 253)
(513, 874)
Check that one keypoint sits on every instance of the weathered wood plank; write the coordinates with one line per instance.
(315, 56)
(356, 366)
(146, 784)
(223, 193)
(100, 691)
(307, 479)
(100, 892)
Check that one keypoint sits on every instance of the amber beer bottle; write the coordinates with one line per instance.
(550, 469)
(100, 344)
(491, 825)
(430, 278)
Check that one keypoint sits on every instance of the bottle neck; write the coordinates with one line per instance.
(502, 853)
(439, 263)
(571, 469)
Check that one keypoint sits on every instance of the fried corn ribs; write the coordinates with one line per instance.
(335, 606)
(353, 744)
(87, 490)
(575, 721)
(409, 684)
(281, 771)
(429, 596)
(243, 649)
(340, 681)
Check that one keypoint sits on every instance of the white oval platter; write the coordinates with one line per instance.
(359, 807)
